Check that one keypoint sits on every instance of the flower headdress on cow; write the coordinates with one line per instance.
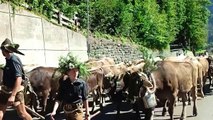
(69, 62)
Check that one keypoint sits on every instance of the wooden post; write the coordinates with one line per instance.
(59, 18)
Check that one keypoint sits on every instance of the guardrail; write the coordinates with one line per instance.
(59, 18)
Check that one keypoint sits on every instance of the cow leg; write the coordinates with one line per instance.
(149, 114)
(171, 106)
(118, 108)
(189, 97)
(164, 108)
(210, 77)
(45, 97)
(100, 98)
(201, 83)
(210, 81)
(94, 101)
(34, 101)
(184, 99)
(194, 98)
(136, 109)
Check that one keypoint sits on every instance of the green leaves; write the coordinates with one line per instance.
(69, 62)
(148, 60)
(150, 23)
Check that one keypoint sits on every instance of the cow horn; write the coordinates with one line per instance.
(143, 74)
(146, 82)
(110, 74)
(154, 85)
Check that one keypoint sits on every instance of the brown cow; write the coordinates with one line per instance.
(173, 78)
(44, 81)
(197, 67)
(95, 85)
(99, 62)
(205, 64)
(132, 83)
(101, 74)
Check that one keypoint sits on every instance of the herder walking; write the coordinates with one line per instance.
(12, 90)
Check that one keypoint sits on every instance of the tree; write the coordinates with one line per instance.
(194, 33)
(154, 24)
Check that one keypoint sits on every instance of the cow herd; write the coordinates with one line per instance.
(174, 78)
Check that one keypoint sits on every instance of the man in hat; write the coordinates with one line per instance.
(11, 92)
(72, 91)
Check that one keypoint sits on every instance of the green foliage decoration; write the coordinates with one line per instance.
(69, 61)
(149, 61)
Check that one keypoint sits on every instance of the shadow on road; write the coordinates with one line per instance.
(109, 113)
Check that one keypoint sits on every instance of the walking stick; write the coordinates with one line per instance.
(34, 113)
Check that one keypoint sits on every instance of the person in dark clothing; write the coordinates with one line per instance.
(72, 91)
(12, 90)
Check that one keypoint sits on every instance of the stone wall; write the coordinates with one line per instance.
(121, 52)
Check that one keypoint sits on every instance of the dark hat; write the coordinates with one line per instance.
(11, 47)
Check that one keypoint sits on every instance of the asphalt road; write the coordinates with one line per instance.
(205, 111)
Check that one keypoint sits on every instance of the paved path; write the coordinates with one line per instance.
(205, 111)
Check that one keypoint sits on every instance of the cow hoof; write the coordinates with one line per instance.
(181, 118)
(202, 95)
(194, 113)
(164, 112)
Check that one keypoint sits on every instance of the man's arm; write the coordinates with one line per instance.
(55, 107)
(17, 86)
(85, 100)
(86, 106)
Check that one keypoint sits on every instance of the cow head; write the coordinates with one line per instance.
(134, 82)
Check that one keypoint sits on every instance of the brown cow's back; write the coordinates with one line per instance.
(176, 75)
(173, 78)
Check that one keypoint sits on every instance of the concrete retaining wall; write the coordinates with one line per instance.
(41, 41)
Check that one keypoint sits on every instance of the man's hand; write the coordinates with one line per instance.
(52, 115)
(87, 117)
(11, 100)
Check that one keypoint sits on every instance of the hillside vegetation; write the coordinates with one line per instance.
(154, 24)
